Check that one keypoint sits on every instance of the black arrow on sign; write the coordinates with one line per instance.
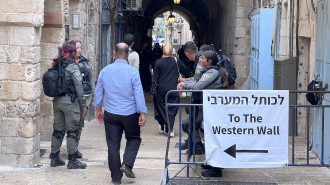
(232, 151)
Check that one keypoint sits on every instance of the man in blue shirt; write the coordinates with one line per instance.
(119, 89)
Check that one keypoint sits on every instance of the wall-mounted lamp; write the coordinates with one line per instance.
(176, 1)
(171, 18)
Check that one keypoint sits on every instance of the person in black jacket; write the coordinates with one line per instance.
(145, 62)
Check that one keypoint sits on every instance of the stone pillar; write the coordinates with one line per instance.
(20, 28)
(236, 38)
(52, 37)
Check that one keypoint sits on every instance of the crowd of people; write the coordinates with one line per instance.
(120, 92)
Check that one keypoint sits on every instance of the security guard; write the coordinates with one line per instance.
(67, 112)
(87, 79)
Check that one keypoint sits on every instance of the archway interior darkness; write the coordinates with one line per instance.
(198, 13)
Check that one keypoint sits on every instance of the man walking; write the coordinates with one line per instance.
(133, 58)
(120, 89)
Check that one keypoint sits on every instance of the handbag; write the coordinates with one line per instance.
(153, 90)
(180, 76)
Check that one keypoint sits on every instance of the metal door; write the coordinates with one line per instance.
(321, 143)
(105, 35)
(262, 63)
(254, 57)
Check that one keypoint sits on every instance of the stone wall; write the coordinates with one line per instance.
(236, 37)
(20, 27)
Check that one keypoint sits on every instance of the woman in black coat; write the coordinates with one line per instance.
(166, 75)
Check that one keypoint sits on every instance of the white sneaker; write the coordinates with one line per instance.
(160, 130)
(172, 134)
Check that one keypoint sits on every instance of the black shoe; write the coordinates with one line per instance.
(212, 172)
(78, 154)
(184, 146)
(74, 163)
(205, 166)
(56, 160)
(127, 170)
(116, 182)
(199, 148)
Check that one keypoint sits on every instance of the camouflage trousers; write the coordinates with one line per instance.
(82, 118)
(66, 119)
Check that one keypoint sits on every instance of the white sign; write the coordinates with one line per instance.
(246, 129)
(75, 21)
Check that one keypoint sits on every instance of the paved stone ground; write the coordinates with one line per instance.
(149, 165)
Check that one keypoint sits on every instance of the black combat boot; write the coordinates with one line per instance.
(199, 148)
(74, 163)
(184, 146)
(56, 160)
(78, 154)
(212, 172)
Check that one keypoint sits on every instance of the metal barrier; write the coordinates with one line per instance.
(191, 156)
(308, 136)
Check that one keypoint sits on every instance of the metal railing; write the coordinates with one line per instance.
(191, 156)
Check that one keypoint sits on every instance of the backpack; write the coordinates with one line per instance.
(312, 98)
(53, 80)
(225, 62)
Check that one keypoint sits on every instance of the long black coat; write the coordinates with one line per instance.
(166, 75)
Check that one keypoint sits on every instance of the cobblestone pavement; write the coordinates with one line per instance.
(149, 165)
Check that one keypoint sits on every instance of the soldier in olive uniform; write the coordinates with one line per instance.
(67, 112)
(87, 78)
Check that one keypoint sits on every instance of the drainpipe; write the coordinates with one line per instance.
(274, 37)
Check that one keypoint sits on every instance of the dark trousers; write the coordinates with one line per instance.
(114, 127)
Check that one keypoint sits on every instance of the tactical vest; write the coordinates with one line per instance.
(84, 71)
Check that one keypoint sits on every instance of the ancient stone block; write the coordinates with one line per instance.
(46, 135)
(4, 36)
(20, 145)
(22, 36)
(47, 108)
(240, 32)
(8, 159)
(17, 6)
(22, 109)
(28, 161)
(240, 12)
(30, 55)
(10, 90)
(244, 3)
(31, 90)
(49, 51)
(53, 19)
(2, 109)
(8, 127)
(28, 127)
(53, 6)
(3, 18)
(13, 72)
(10, 54)
(52, 35)
(32, 72)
